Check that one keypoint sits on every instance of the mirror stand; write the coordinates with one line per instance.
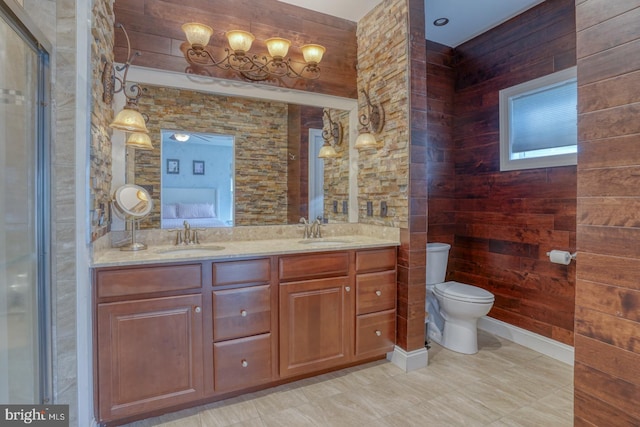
(133, 246)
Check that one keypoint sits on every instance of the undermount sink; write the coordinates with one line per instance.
(190, 250)
(321, 241)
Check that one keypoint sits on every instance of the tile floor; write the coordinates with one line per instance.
(504, 384)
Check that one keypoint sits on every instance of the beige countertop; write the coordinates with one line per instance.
(224, 250)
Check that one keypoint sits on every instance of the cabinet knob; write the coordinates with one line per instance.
(348, 289)
(378, 333)
(243, 313)
(379, 293)
(197, 309)
(244, 363)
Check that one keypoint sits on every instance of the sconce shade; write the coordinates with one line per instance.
(240, 41)
(140, 141)
(198, 35)
(129, 120)
(312, 53)
(327, 151)
(278, 47)
(365, 140)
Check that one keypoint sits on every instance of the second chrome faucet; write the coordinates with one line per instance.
(312, 230)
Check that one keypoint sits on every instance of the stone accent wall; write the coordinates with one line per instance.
(102, 115)
(383, 174)
(260, 132)
(336, 171)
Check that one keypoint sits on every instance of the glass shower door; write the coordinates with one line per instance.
(22, 227)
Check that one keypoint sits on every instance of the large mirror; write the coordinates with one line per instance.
(274, 133)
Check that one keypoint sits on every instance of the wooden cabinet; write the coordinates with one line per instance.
(375, 302)
(149, 354)
(244, 304)
(179, 334)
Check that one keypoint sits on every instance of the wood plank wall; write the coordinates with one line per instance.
(301, 118)
(607, 320)
(154, 29)
(505, 222)
(440, 161)
(412, 253)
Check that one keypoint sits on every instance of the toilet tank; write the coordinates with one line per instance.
(437, 258)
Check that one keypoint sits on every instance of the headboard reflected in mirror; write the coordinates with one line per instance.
(268, 167)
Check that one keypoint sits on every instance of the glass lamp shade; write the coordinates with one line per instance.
(198, 35)
(240, 41)
(129, 120)
(140, 141)
(278, 47)
(365, 140)
(312, 53)
(327, 151)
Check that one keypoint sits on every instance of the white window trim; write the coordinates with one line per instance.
(506, 164)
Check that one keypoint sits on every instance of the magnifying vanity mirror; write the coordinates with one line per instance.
(132, 203)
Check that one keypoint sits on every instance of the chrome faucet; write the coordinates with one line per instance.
(187, 232)
(187, 235)
(316, 231)
(306, 234)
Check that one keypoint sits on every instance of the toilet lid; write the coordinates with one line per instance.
(461, 292)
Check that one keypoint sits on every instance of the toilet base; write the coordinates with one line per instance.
(460, 336)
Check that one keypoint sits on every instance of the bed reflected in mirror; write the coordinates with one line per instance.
(197, 179)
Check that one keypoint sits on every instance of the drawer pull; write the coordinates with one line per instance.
(378, 333)
(243, 313)
(348, 289)
(244, 363)
(379, 293)
(197, 309)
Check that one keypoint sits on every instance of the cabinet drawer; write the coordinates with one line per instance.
(241, 312)
(376, 260)
(142, 280)
(314, 266)
(376, 292)
(375, 333)
(242, 363)
(246, 271)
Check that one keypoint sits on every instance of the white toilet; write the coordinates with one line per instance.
(454, 308)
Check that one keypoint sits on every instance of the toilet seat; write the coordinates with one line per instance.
(461, 292)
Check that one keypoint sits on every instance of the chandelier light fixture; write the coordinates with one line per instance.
(371, 122)
(332, 137)
(129, 119)
(200, 57)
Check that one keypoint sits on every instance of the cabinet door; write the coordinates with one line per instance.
(149, 355)
(314, 330)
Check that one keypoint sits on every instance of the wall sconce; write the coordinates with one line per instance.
(251, 67)
(129, 118)
(332, 137)
(371, 122)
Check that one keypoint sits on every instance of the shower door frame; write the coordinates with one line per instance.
(15, 17)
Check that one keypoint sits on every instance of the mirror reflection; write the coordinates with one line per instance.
(197, 179)
(273, 173)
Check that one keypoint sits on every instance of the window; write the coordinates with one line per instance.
(539, 122)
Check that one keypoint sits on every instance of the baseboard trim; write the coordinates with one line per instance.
(552, 348)
(408, 361)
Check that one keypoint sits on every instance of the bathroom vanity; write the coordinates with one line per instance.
(173, 331)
